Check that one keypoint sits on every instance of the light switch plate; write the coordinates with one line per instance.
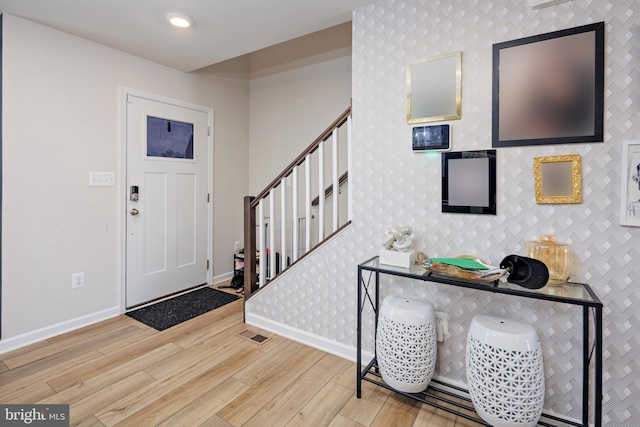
(102, 179)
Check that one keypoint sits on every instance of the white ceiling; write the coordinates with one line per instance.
(223, 29)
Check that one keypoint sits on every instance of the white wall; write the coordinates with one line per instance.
(60, 121)
(317, 298)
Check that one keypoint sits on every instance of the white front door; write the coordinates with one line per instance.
(167, 198)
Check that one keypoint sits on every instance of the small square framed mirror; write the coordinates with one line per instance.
(558, 179)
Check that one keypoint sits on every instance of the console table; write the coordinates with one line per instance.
(577, 294)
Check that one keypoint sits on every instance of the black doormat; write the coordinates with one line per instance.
(171, 312)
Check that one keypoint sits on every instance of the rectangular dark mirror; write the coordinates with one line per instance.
(529, 108)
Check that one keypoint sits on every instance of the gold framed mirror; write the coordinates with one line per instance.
(558, 179)
(434, 88)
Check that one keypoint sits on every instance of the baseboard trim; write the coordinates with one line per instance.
(25, 339)
(222, 278)
(312, 340)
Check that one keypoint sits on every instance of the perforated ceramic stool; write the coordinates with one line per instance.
(406, 343)
(505, 371)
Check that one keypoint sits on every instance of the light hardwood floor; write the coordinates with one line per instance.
(200, 373)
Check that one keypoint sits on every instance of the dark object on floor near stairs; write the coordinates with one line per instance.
(237, 282)
(171, 312)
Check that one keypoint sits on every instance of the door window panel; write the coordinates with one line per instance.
(169, 138)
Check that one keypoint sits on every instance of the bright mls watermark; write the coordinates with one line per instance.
(34, 415)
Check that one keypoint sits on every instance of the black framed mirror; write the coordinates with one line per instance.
(549, 88)
(469, 182)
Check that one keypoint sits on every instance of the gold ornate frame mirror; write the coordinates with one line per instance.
(434, 88)
(558, 179)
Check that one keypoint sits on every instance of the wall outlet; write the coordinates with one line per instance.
(77, 280)
(236, 246)
(442, 325)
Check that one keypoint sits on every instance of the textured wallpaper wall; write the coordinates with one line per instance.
(392, 184)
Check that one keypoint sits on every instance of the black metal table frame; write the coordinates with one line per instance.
(450, 390)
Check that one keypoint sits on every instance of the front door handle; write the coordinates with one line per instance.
(134, 211)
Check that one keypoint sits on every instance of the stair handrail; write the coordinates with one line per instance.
(251, 202)
(300, 159)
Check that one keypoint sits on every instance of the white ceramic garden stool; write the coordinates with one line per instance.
(505, 371)
(406, 343)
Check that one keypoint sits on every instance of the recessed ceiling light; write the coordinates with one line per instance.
(179, 20)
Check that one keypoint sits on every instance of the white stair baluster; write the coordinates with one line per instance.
(349, 180)
(321, 191)
(334, 146)
(294, 222)
(283, 223)
(307, 203)
(272, 233)
(262, 245)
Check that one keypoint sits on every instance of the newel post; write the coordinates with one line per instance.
(250, 272)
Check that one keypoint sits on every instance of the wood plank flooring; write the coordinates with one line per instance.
(201, 373)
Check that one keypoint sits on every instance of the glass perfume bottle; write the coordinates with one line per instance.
(555, 255)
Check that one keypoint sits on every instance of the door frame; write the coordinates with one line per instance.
(123, 93)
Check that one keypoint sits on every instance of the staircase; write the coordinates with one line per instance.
(304, 206)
